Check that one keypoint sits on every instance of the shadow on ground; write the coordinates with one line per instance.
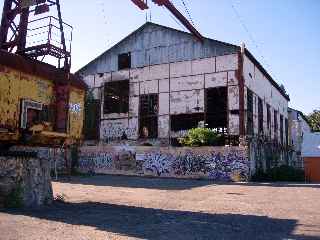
(137, 182)
(148, 223)
(165, 183)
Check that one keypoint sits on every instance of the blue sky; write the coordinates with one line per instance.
(287, 34)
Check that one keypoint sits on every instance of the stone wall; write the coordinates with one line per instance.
(265, 154)
(31, 175)
(216, 163)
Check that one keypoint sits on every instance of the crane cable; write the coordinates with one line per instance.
(246, 29)
(187, 11)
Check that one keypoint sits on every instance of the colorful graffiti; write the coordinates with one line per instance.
(93, 161)
(215, 166)
(112, 131)
(218, 166)
(157, 163)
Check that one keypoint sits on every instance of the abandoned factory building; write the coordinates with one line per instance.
(159, 82)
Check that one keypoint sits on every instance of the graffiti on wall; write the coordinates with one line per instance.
(218, 166)
(215, 166)
(111, 131)
(95, 160)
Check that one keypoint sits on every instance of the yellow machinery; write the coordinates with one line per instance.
(39, 104)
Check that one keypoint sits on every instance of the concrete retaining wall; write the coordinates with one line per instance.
(216, 163)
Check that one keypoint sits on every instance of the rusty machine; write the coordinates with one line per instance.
(40, 101)
(43, 103)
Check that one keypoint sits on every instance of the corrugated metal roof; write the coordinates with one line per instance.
(311, 145)
(154, 44)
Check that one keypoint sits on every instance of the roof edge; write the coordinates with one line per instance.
(158, 25)
(264, 71)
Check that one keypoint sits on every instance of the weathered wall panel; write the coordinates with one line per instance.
(233, 97)
(163, 103)
(187, 102)
(147, 87)
(179, 69)
(187, 83)
(202, 66)
(216, 80)
(227, 62)
(164, 126)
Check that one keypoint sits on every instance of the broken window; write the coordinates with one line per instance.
(260, 116)
(124, 61)
(148, 112)
(116, 97)
(249, 112)
(281, 129)
(269, 120)
(216, 108)
(275, 124)
(185, 121)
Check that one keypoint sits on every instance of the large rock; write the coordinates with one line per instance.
(31, 174)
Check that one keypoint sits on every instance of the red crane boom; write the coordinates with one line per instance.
(166, 3)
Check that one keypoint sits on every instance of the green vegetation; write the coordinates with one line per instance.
(283, 173)
(314, 120)
(197, 137)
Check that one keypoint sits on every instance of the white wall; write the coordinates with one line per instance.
(259, 84)
(181, 88)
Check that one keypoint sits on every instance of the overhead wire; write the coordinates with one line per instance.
(105, 21)
(174, 19)
(246, 29)
(187, 11)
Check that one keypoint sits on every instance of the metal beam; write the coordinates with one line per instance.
(141, 4)
(180, 17)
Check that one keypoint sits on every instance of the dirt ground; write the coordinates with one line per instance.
(117, 207)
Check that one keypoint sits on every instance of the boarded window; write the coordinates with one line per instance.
(216, 108)
(269, 120)
(249, 112)
(116, 97)
(124, 61)
(185, 121)
(281, 129)
(260, 116)
(148, 112)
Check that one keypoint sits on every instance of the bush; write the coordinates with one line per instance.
(282, 173)
(197, 137)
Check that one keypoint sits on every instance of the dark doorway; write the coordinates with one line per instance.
(217, 108)
(148, 112)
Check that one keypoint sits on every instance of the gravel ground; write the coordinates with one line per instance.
(117, 207)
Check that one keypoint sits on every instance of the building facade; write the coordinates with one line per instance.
(298, 127)
(159, 82)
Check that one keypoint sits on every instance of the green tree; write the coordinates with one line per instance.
(314, 120)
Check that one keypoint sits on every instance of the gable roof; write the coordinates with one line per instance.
(301, 114)
(238, 48)
(144, 26)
